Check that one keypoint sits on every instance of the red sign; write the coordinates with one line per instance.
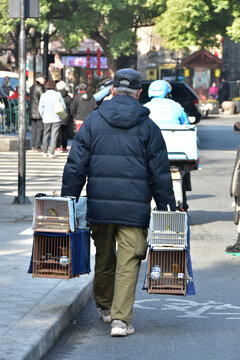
(98, 61)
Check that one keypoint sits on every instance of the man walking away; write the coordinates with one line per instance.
(36, 91)
(122, 153)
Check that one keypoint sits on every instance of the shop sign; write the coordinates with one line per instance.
(82, 61)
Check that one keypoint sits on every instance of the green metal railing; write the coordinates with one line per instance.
(9, 116)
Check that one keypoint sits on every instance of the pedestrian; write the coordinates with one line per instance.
(235, 192)
(122, 154)
(165, 111)
(213, 91)
(51, 121)
(6, 88)
(83, 104)
(15, 95)
(36, 90)
(223, 91)
(66, 131)
(5, 92)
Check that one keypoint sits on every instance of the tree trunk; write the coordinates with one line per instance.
(112, 63)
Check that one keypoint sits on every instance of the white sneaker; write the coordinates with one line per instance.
(120, 328)
(51, 156)
(105, 314)
(44, 154)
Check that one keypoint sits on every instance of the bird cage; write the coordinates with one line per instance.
(172, 277)
(168, 229)
(54, 214)
(52, 256)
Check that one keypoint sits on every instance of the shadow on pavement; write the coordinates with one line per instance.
(199, 217)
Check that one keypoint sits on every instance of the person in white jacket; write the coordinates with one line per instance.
(51, 121)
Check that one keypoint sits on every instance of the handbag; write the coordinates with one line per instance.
(59, 109)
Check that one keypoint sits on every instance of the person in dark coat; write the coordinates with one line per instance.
(66, 131)
(83, 104)
(235, 192)
(36, 91)
(223, 91)
(123, 155)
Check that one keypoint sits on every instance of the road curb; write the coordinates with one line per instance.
(36, 332)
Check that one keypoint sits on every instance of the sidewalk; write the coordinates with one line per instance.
(33, 311)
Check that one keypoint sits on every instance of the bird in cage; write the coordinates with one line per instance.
(53, 212)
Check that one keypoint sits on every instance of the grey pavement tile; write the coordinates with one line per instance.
(33, 311)
(9, 317)
(3, 330)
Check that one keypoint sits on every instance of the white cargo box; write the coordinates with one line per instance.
(181, 142)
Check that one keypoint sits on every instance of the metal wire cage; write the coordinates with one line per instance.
(173, 272)
(52, 215)
(52, 256)
(168, 229)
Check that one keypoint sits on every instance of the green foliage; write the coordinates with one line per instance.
(113, 23)
(188, 23)
(6, 25)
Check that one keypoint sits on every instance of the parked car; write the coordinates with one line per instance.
(181, 93)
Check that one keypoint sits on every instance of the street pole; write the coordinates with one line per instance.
(45, 54)
(21, 198)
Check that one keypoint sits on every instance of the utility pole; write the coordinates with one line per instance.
(45, 54)
(21, 198)
(22, 9)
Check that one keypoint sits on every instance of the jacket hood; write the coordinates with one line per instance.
(64, 92)
(123, 111)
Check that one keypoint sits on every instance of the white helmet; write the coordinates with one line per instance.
(159, 88)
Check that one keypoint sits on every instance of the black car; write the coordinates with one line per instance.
(181, 93)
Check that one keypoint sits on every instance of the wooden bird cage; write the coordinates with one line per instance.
(173, 272)
(52, 256)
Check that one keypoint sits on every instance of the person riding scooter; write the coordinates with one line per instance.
(165, 111)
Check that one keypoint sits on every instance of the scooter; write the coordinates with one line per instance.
(181, 142)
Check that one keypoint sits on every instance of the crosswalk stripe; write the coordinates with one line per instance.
(42, 174)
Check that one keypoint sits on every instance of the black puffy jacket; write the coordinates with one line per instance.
(36, 91)
(68, 100)
(123, 154)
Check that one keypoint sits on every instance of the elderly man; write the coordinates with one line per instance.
(122, 153)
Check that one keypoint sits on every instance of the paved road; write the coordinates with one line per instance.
(42, 174)
(205, 326)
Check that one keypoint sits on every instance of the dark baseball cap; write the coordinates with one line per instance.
(127, 78)
(236, 126)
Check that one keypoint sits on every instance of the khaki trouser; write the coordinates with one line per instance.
(116, 272)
